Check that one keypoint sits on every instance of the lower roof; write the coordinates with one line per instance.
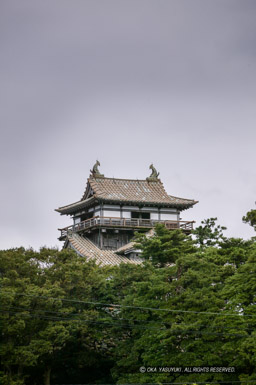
(84, 247)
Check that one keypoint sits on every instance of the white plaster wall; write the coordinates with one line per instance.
(151, 209)
(111, 207)
(132, 208)
(111, 213)
(167, 210)
(154, 216)
(126, 214)
(168, 217)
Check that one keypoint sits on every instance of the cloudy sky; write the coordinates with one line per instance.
(129, 82)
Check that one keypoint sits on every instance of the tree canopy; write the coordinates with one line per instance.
(65, 320)
(250, 218)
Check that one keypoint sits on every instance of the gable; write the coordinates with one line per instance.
(88, 191)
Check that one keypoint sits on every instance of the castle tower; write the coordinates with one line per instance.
(111, 210)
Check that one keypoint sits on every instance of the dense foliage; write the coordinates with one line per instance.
(191, 303)
(250, 218)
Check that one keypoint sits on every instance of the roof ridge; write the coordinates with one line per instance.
(131, 180)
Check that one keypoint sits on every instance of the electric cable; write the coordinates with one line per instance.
(164, 323)
(111, 324)
(135, 307)
(177, 383)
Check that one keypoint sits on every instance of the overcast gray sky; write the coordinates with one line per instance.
(129, 82)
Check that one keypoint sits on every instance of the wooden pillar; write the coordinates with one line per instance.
(101, 240)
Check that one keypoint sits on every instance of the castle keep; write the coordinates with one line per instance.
(111, 210)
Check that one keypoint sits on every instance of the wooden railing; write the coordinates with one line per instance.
(124, 222)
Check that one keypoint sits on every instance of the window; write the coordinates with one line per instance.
(140, 215)
(87, 216)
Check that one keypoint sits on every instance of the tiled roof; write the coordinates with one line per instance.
(126, 191)
(86, 248)
(130, 246)
(75, 206)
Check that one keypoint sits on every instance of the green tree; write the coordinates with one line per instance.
(184, 306)
(37, 325)
(192, 328)
(209, 234)
(240, 297)
(250, 218)
(165, 246)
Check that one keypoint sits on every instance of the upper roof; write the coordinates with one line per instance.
(111, 190)
(148, 191)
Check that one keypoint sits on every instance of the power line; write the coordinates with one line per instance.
(176, 383)
(120, 319)
(52, 318)
(134, 307)
(111, 324)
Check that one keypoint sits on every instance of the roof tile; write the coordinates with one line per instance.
(133, 191)
(87, 249)
(124, 191)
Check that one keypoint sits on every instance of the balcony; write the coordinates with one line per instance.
(125, 223)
